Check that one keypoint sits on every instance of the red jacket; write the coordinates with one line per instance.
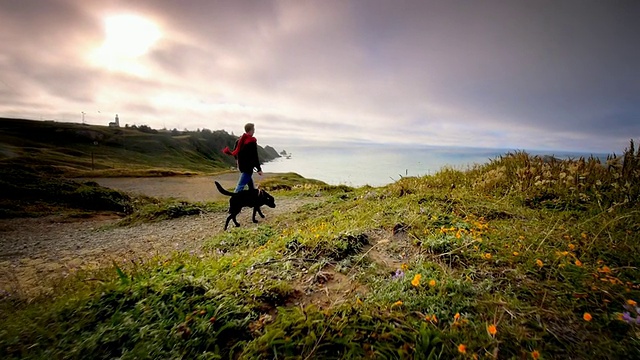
(246, 151)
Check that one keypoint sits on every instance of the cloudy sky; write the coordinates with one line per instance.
(561, 75)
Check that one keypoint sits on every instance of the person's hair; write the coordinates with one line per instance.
(248, 127)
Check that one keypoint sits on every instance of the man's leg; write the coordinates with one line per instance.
(250, 182)
(245, 178)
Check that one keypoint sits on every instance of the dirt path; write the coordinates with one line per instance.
(34, 251)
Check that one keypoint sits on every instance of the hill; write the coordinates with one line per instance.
(90, 150)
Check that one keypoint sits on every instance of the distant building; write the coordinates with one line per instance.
(115, 123)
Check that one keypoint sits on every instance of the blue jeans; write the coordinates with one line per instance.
(245, 179)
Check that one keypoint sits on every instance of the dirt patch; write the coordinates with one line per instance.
(327, 288)
(390, 250)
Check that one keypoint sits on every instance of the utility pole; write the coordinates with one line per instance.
(82, 117)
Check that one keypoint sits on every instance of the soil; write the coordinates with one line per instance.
(35, 252)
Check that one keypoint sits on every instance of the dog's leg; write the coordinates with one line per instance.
(255, 209)
(260, 212)
(233, 217)
(226, 224)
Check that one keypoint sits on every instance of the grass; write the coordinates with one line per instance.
(25, 192)
(523, 257)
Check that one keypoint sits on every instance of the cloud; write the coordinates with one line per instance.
(539, 75)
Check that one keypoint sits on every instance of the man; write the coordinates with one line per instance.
(246, 153)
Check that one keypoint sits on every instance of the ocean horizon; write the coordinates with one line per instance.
(379, 165)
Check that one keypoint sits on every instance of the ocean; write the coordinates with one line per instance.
(378, 165)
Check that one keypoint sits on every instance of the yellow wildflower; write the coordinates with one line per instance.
(572, 247)
(432, 283)
(462, 348)
(404, 267)
(397, 303)
(584, 235)
(487, 256)
(587, 317)
(631, 302)
(535, 354)
(416, 280)
(515, 253)
(578, 263)
(358, 301)
(539, 263)
(456, 317)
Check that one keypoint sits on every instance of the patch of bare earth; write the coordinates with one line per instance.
(329, 287)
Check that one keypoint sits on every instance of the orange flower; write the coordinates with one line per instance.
(462, 348)
(605, 269)
(492, 330)
(578, 263)
(416, 280)
(432, 283)
(397, 303)
(572, 247)
(539, 263)
(431, 318)
(487, 256)
(535, 354)
(456, 317)
(515, 253)
(587, 317)
(631, 302)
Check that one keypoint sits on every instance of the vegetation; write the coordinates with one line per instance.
(523, 257)
(25, 192)
(75, 150)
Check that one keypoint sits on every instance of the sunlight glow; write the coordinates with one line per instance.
(127, 38)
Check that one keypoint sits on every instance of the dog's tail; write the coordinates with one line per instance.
(222, 190)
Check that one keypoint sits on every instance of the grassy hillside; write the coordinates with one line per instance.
(89, 150)
(523, 257)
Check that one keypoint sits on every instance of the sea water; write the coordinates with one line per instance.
(378, 165)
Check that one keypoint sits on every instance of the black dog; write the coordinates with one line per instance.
(246, 198)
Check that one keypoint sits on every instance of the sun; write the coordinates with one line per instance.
(127, 38)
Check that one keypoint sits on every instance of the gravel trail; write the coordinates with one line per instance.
(35, 251)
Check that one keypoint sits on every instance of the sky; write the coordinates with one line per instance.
(540, 74)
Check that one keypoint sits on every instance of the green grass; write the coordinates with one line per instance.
(25, 192)
(545, 252)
